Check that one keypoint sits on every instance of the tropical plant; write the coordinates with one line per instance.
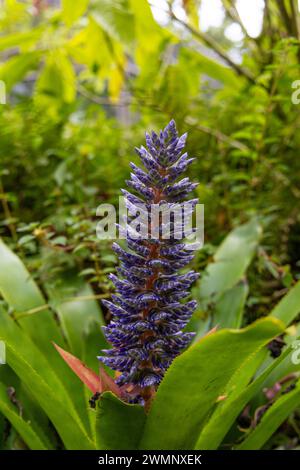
(204, 390)
(79, 83)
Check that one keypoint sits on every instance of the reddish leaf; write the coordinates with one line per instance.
(95, 383)
(86, 375)
(108, 384)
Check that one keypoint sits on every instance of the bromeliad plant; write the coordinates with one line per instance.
(148, 314)
(156, 398)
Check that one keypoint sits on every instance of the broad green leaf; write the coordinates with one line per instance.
(27, 362)
(2, 429)
(230, 261)
(224, 274)
(81, 318)
(228, 410)
(31, 411)
(272, 419)
(286, 367)
(93, 343)
(95, 54)
(191, 8)
(289, 306)
(23, 427)
(22, 295)
(286, 310)
(36, 416)
(144, 20)
(116, 19)
(195, 380)
(212, 68)
(72, 11)
(25, 239)
(104, 56)
(58, 78)
(15, 69)
(116, 81)
(229, 309)
(74, 303)
(15, 338)
(148, 53)
(20, 38)
(118, 425)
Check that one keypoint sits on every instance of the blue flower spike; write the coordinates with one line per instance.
(148, 311)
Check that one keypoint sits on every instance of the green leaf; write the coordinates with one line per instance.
(72, 11)
(2, 429)
(212, 68)
(289, 306)
(21, 38)
(272, 419)
(191, 8)
(118, 425)
(286, 367)
(23, 427)
(58, 78)
(195, 380)
(230, 261)
(75, 314)
(33, 369)
(145, 27)
(144, 21)
(96, 54)
(93, 343)
(116, 19)
(228, 410)
(31, 411)
(15, 69)
(25, 239)
(229, 309)
(23, 295)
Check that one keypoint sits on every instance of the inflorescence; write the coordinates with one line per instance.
(148, 313)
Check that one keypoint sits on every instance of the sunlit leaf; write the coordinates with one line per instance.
(71, 10)
(15, 69)
(195, 380)
(118, 425)
(116, 19)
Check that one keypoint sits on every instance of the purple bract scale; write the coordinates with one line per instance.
(148, 312)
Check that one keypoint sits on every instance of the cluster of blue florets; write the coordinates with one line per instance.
(148, 312)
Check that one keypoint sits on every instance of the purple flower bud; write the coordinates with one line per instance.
(148, 311)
